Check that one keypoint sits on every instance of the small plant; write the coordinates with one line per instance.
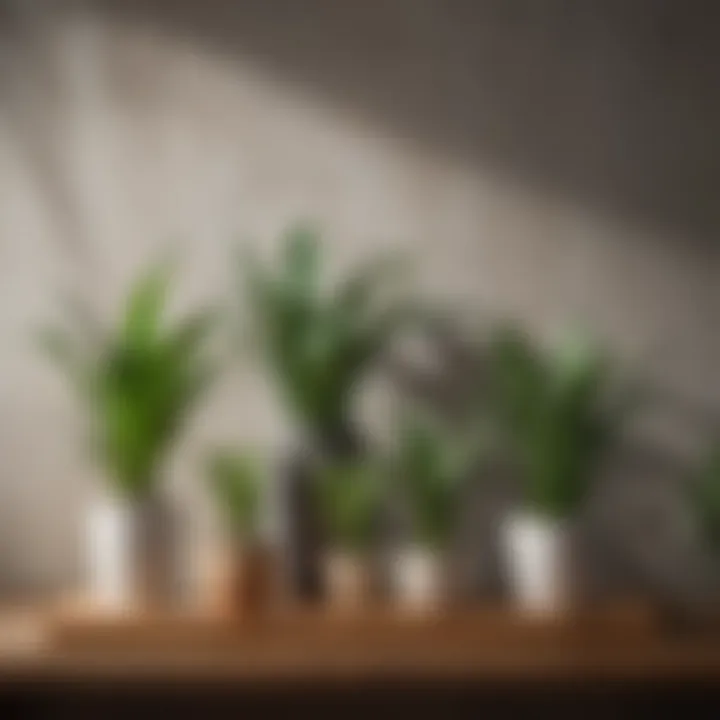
(319, 340)
(704, 497)
(433, 463)
(554, 412)
(349, 498)
(236, 483)
(139, 381)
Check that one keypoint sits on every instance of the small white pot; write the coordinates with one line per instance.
(349, 580)
(419, 579)
(537, 554)
(130, 553)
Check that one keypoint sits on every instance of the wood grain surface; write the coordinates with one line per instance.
(486, 643)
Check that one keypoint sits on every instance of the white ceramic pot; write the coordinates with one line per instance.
(349, 580)
(419, 579)
(131, 559)
(537, 554)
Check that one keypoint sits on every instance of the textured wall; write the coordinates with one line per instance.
(549, 159)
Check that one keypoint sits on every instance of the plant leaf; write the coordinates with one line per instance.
(145, 306)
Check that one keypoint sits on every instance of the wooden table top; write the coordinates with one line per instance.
(472, 644)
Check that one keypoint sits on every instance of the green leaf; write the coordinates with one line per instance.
(433, 463)
(552, 405)
(349, 497)
(318, 343)
(145, 306)
(189, 337)
(704, 496)
(302, 260)
(141, 385)
(236, 481)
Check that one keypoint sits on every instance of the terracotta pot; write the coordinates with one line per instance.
(247, 583)
(350, 581)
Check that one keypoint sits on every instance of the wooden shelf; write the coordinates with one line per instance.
(377, 628)
(485, 643)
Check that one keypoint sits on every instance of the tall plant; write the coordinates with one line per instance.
(139, 380)
(554, 409)
(433, 463)
(320, 340)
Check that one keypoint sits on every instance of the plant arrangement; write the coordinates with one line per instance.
(320, 339)
(554, 412)
(139, 381)
(236, 481)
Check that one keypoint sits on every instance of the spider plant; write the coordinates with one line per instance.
(138, 381)
(433, 462)
(236, 484)
(320, 340)
(554, 410)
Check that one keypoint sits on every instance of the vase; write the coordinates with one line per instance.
(419, 578)
(131, 553)
(349, 581)
(538, 560)
(249, 584)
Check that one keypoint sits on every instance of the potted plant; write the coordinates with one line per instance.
(138, 383)
(433, 463)
(349, 499)
(705, 498)
(236, 482)
(319, 341)
(554, 410)
(704, 502)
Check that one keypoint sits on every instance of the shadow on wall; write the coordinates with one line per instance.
(612, 105)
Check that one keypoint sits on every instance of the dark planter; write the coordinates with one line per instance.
(303, 530)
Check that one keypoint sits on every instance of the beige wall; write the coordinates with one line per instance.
(551, 160)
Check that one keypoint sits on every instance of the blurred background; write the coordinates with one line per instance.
(546, 160)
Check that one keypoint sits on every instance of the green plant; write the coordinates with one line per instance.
(704, 495)
(320, 341)
(433, 462)
(139, 381)
(236, 483)
(349, 499)
(554, 409)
